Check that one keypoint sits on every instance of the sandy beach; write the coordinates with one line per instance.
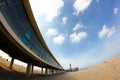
(110, 70)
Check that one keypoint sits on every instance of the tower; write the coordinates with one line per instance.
(70, 67)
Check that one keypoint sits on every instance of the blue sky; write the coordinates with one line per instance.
(81, 32)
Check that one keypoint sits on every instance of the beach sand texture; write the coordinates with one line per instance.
(110, 70)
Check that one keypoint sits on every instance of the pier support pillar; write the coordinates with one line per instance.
(11, 63)
(46, 71)
(28, 70)
(52, 71)
(32, 69)
(42, 70)
(56, 71)
(49, 71)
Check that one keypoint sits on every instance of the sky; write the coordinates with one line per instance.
(79, 32)
(83, 33)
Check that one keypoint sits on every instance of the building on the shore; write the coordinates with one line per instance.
(72, 69)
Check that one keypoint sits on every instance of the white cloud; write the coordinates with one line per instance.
(51, 32)
(56, 37)
(75, 38)
(59, 39)
(77, 26)
(116, 10)
(80, 6)
(49, 8)
(64, 19)
(111, 32)
(106, 32)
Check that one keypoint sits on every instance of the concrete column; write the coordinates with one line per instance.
(28, 70)
(52, 71)
(32, 69)
(59, 71)
(49, 71)
(56, 71)
(11, 63)
(62, 71)
(41, 70)
(46, 71)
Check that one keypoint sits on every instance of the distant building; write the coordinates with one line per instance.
(72, 69)
(75, 69)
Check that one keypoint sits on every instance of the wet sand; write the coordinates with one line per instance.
(110, 70)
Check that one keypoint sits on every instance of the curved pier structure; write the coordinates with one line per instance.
(21, 38)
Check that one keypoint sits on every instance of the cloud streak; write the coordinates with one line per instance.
(51, 32)
(64, 20)
(56, 37)
(106, 32)
(77, 37)
(78, 26)
(49, 8)
(116, 10)
(59, 39)
(80, 6)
